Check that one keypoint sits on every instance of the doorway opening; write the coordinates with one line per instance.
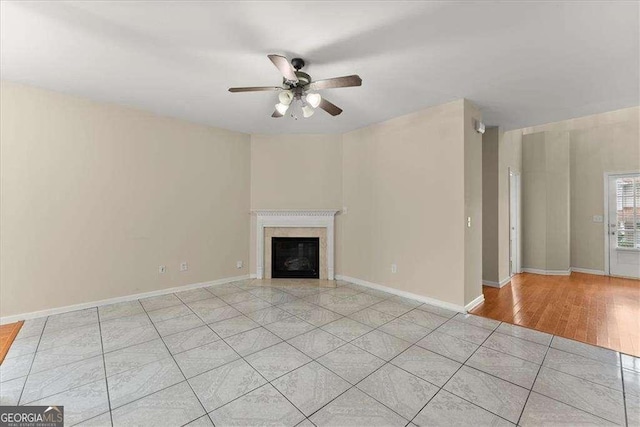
(622, 225)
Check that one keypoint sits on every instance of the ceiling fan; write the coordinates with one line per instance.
(298, 87)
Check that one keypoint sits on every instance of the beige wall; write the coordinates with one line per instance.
(534, 201)
(472, 204)
(605, 148)
(546, 201)
(389, 176)
(558, 201)
(294, 172)
(608, 142)
(95, 197)
(402, 185)
(490, 201)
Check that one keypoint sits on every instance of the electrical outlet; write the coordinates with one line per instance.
(238, 264)
(184, 266)
(598, 218)
(162, 269)
(394, 268)
(468, 222)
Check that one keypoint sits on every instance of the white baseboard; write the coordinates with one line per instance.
(490, 283)
(588, 271)
(624, 277)
(81, 306)
(547, 272)
(499, 284)
(479, 300)
(421, 298)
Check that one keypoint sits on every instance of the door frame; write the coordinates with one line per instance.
(605, 228)
(515, 268)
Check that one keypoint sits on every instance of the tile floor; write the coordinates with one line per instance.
(250, 354)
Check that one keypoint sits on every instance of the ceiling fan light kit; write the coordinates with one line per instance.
(297, 86)
(314, 99)
(282, 108)
(285, 97)
(307, 111)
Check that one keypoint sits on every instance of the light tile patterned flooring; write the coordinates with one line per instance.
(248, 354)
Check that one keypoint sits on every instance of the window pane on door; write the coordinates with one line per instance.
(628, 212)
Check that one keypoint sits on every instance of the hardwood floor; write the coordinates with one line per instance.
(599, 310)
(8, 333)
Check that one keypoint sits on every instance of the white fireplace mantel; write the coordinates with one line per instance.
(321, 218)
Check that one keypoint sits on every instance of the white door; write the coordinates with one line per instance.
(514, 201)
(624, 225)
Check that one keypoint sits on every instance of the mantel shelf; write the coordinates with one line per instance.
(295, 212)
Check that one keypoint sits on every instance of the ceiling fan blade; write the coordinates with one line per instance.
(276, 114)
(254, 89)
(285, 67)
(329, 107)
(346, 81)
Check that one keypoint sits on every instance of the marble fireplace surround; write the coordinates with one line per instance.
(295, 223)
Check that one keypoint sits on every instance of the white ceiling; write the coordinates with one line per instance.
(522, 63)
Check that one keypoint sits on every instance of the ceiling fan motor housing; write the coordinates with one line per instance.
(297, 63)
(303, 80)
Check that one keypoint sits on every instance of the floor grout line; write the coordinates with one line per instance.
(311, 361)
(533, 385)
(263, 377)
(63, 391)
(104, 366)
(624, 394)
(179, 368)
(385, 362)
(621, 390)
(454, 374)
(572, 406)
(310, 331)
(277, 304)
(32, 360)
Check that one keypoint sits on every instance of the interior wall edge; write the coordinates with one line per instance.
(474, 303)
(502, 283)
(546, 272)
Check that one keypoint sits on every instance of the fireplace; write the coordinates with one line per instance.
(295, 257)
(306, 224)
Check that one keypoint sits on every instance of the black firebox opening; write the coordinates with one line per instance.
(295, 257)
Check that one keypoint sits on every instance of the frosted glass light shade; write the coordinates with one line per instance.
(314, 99)
(285, 97)
(307, 111)
(282, 108)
